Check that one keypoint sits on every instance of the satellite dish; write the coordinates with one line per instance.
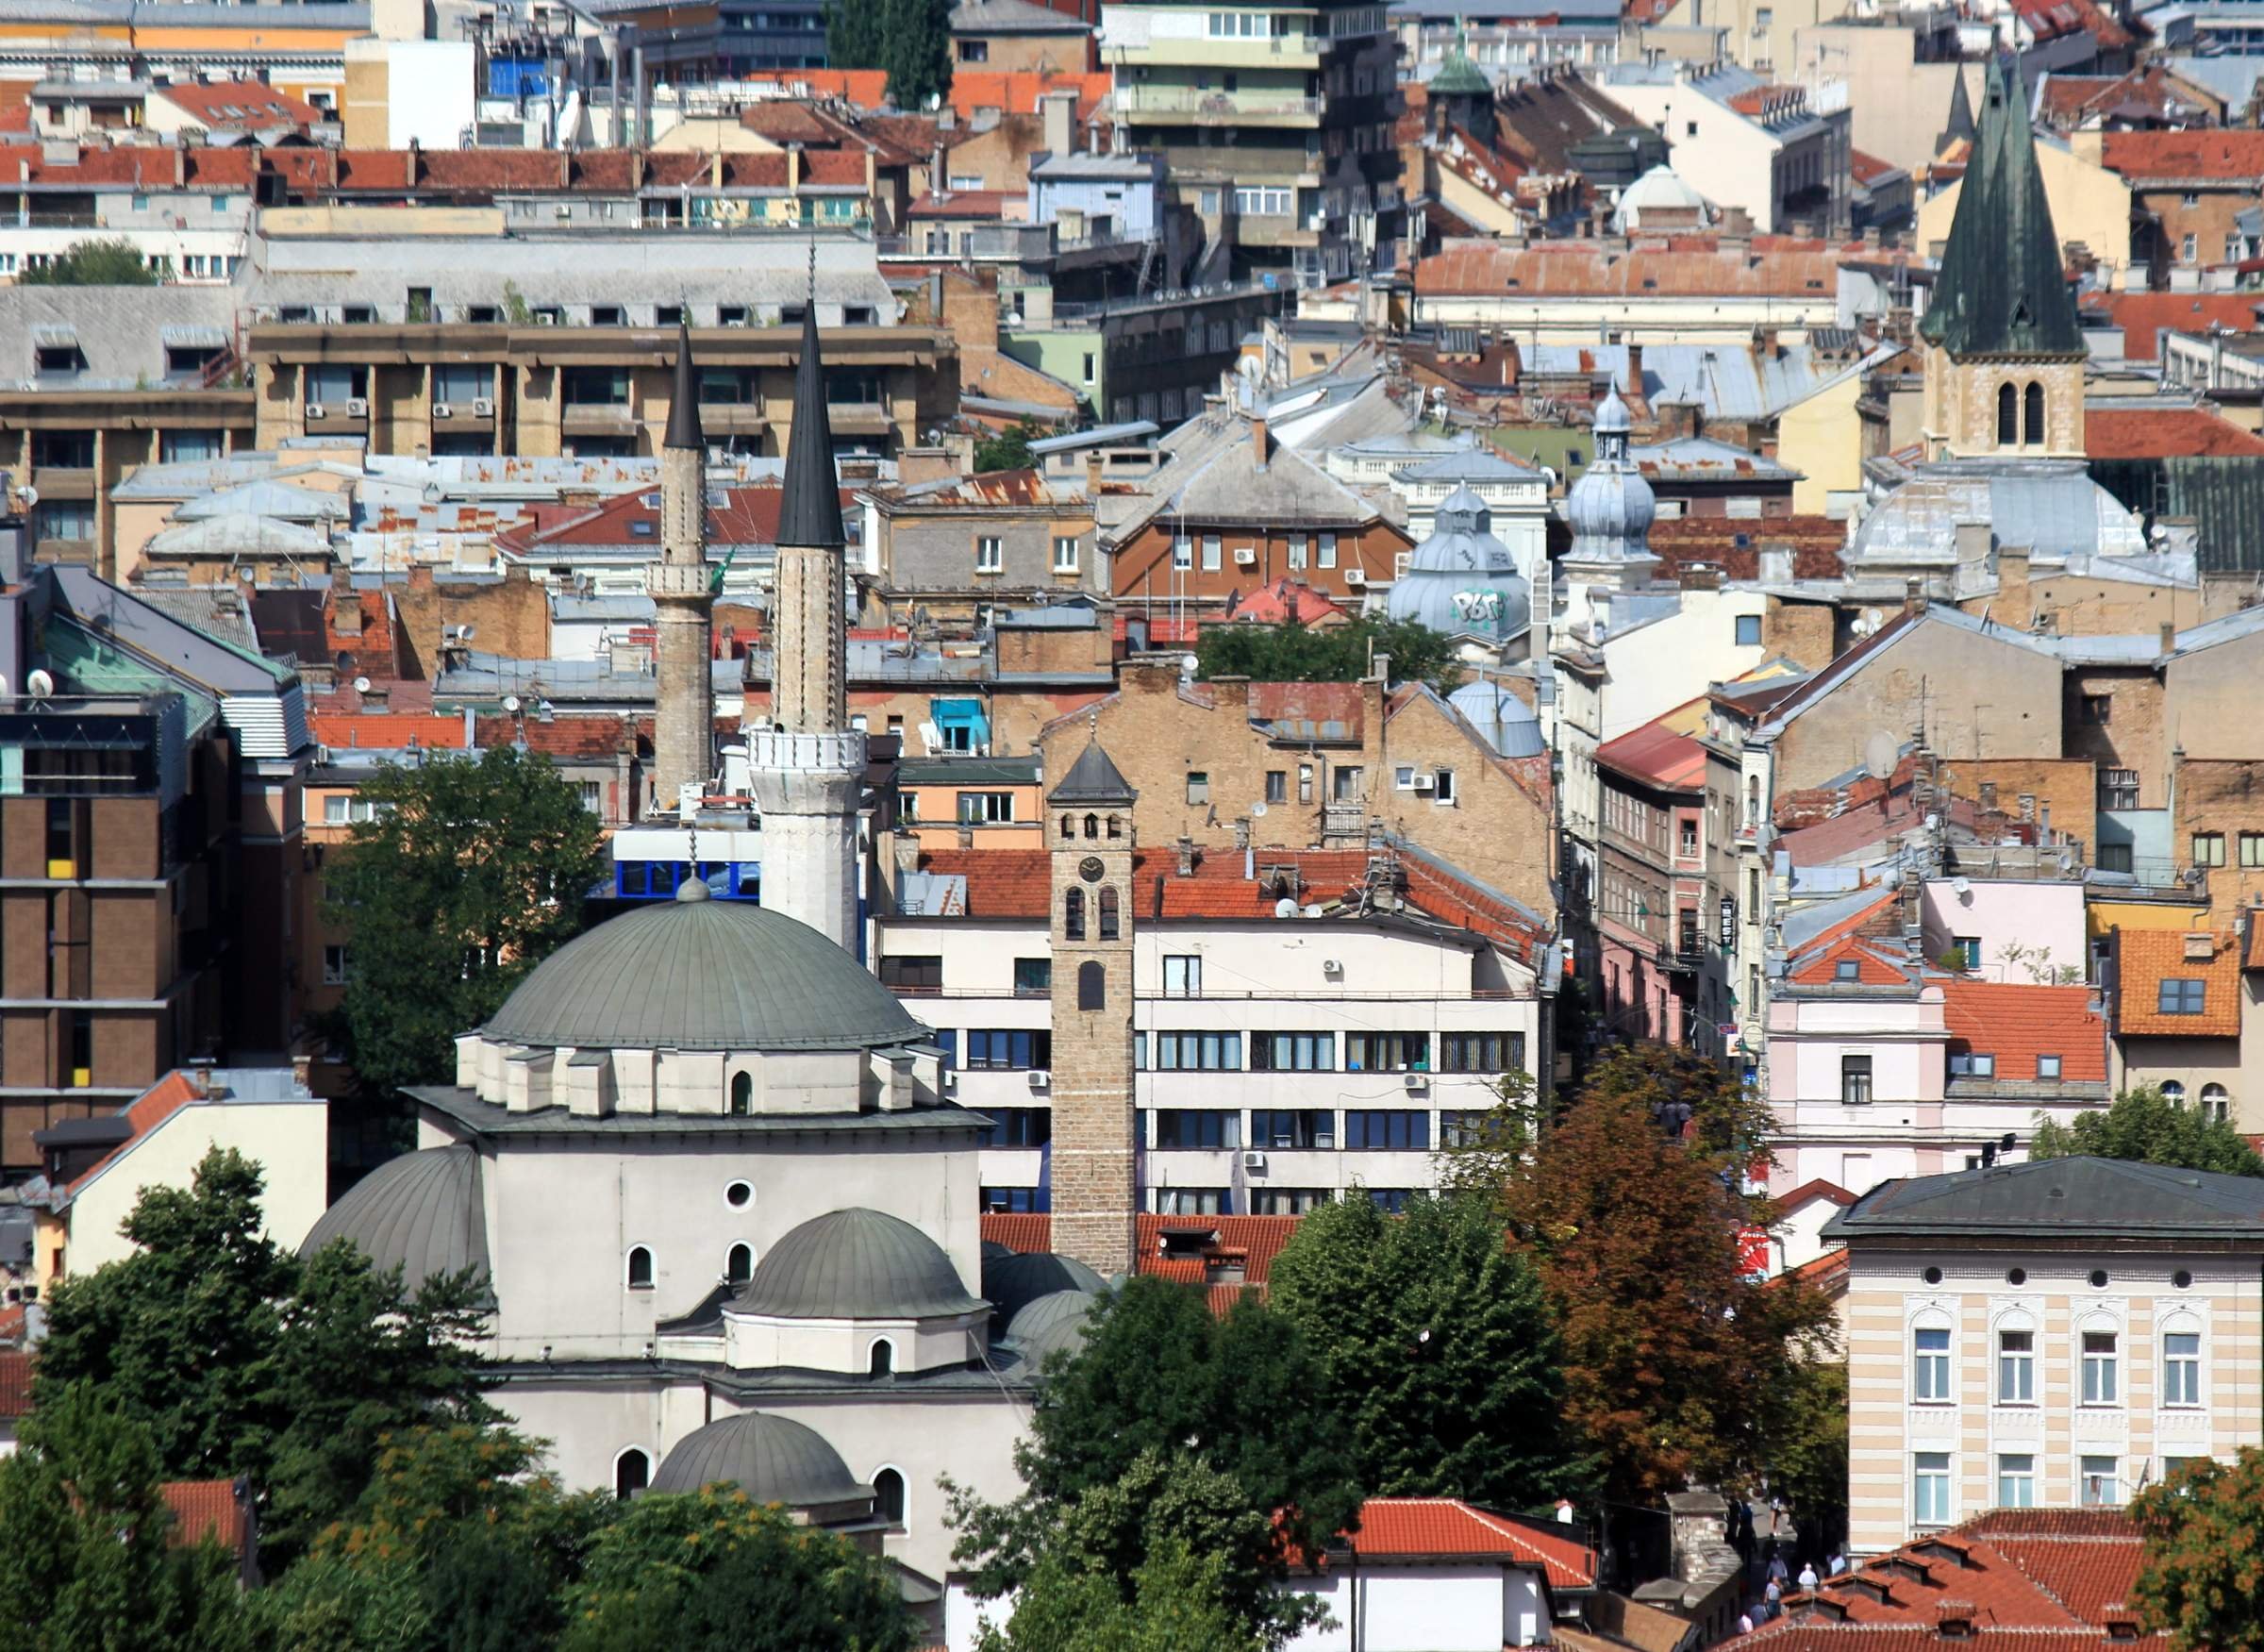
(1285, 907)
(1879, 754)
(29, 495)
(361, 685)
(1188, 664)
(1258, 809)
(1873, 618)
(510, 704)
(38, 685)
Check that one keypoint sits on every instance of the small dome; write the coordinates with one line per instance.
(1611, 415)
(855, 1264)
(422, 1212)
(1459, 77)
(1661, 191)
(1054, 1320)
(702, 975)
(1462, 581)
(1021, 1277)
(1504, 721)
(1463, 511)
(1610, 508)
(771, 1459)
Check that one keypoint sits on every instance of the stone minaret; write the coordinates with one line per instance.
(1089, 826)
(682, 593)
(807, 764)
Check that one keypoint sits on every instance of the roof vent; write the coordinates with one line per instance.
(1954, 1619)
(2121, 1623)
(2200, 947)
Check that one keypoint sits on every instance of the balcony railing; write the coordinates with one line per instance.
(1219, 106)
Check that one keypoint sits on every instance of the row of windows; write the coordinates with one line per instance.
(1286, 1129)
(2013, 1381)
(2099, 1482)
(1019, 1049)
(2208, 849)
(1269, 1201)
(1322, 546)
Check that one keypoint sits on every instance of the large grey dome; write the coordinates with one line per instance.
(702, 975)
(1053, 1322)
(421, 1213)
(855, 1264)
(1462, 581)
(771, 1459)
(1610, 507)
(1022, 1277)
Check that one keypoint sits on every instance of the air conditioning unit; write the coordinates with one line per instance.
(1254, 1161)
(1426, 783)
(316, 410)
(356, 407)
(1355, 576)
(442, 410)
(1040, 1079)
(1417, 1082)
(482, 408)
(1332, 967)
(1246, 556)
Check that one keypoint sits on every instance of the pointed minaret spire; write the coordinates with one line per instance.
(683, 397)
(810, 514)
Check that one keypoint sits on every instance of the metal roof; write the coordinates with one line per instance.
(2075, 1198)
(773, 1460)
(1093, 779)
(702, 975)
(855, 1264)
(810, 514)
(421, 1213)
(1053, 1322)
(1020, 1277)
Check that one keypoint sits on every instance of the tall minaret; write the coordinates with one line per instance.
(808, 764)
(679, 583)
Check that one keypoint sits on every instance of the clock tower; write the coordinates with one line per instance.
(1089, 827)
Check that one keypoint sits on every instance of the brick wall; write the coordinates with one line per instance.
(2224, 797)
(1803, 632)
(2065, 791)
(2113, 720)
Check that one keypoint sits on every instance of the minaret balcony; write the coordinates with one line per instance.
(773, 750)
(677, 581)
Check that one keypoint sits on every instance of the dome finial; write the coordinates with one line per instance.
(693, 889)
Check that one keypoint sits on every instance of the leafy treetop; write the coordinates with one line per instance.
(1294, 652)
(110, 263)
(2146, 1126)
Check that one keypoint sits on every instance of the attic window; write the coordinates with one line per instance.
(1846, 970)
(2020, 313)
(1186, 1241)
(1513, 281)
(643, 530)
(59, 359)
(1814, 285)
(1650, 283)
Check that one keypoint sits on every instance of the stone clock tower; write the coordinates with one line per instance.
(1089, 825)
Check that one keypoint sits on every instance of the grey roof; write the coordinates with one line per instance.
(2051, 507)
(810, 512)
(1012, 1282)
(1099, 436)
(253, 537)
(218, 610)
(773, 1460)
(421, 1213)
(1471, 463)
(1462, 581)
(1501, 719)
(949, 1125)
(267, 498)
(855, 1264)
(702, 975)
(683, 397)
(967, 769)
(119, 330)
(1093, 779)
(1012, 17)
(1051, 1321)
(2076, 1198)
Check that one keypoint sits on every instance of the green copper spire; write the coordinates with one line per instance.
(1457, 76)
(2002, 289)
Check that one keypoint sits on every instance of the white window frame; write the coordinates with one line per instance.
(1067, 558)
(990, 554)
(1185, 969)
(2021, 1480)
(1933, 1379)
(2101, 1385)
(343, 972)
(1931, 1472)
(2109, 1483)
(2181, 1371)
(1183, 552)
(2013, 1382)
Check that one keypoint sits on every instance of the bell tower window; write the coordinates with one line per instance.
(2033, 434)
(2008, 423)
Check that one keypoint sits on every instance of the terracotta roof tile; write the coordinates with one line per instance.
(1286, 600)
(152, 1108)
(2143, 315)
(2196, 153)
(15, 1382)
(1408, 1528)
(2144, 958)
(2016, 1023)
(386, 731)
(204, 1509)
(2166, 433)
(1873, 966)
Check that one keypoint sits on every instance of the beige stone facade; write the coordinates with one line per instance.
(1093, 1184)
(1967, 409)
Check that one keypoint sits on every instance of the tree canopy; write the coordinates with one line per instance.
(238, 1359)
(2145, 1126)
(1298, 652)
(1439, 1345)
(112, 261)
(910, 39)
(2201, 1580)
(1176, 1602)
(1007, 450)
(467, 874)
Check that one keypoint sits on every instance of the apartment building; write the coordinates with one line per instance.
(1306, 1024)
(962, 546)
(1776, 150)
(1276, 126)
(149, 837)
(2050, 1335)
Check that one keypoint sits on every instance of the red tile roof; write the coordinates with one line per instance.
(2169, 433)
(1435, 1527)
(2016, 1023)
(583, 736)
(1687, 266)
(16, 1383)
(1874, 965)
(386, 731)
(204, 1509)
(2143, 315)
(1284, 601)
(2211, 153)
(747, 516)
(249, 105)
(152, 1108)
(1655, 755)
(1869, 169)
(2146, 958)
(1256, 1240)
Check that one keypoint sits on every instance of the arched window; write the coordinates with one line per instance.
(1092, 826)
(1108, 914)
(888, 1497)
(1072, 915)
(738, 1264)
(632, 1472)
(883, 1361)
(2008, 416)
(1092, 987)
(1068, 828)
(743, 1094)
(639, 1268)
(2174, 1093)
(2215, 1103)
(1116, 825)
(2033, 410)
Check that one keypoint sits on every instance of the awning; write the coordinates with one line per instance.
(194, 337)
(51, 334)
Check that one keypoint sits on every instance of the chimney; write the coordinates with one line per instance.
(1260, 444)
(1093, 475)
(2169, 638)
(2012, 583)
(915, 465)
(1764, 341)
(1914, 596)
(1635, 369)
(1058, 111)
(1954, 1619)
(1187, 856)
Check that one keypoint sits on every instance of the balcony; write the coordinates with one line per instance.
(1284, 51)
(1216, 108)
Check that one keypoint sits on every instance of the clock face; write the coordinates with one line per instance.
(1090, 869)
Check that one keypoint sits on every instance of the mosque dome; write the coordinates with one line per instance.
(420, 1212)
(1665, 194)
(771, 1459)
(1051, 1321)
(855, 1264)
(1610, 508)
(1462, 580)
(696, 973)
(1011, 1283)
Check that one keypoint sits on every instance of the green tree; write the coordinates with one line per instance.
(1678, 1367)
(467, 874)
(1807, 1462)
(712, 1572)
(109, 262)
(1178, 1603)
(1007, 450)
(1440, 1346)
(916, 51)
(2145, 1126)
(2201, 1574)
(87, 1534)
(854, 33)
(1297, 653)
(239, 1359)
